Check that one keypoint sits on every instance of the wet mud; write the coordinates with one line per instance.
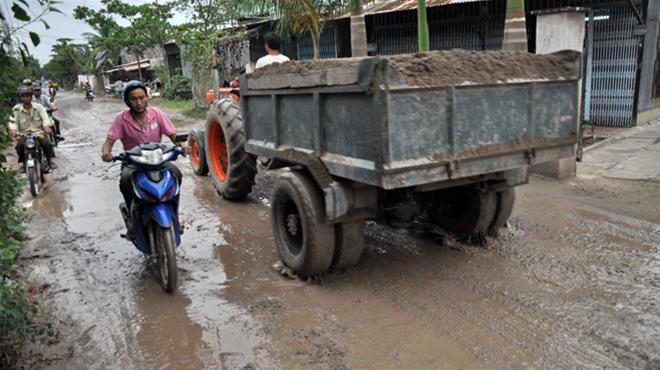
(573, 282)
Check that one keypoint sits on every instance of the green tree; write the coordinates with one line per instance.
(297, 16)
(149, 25)
(23, 16)
(206, 16)
(105, 47)
(68, 60)
(16, 311)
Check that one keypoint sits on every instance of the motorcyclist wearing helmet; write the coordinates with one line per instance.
(140, 124)
(30, 118)
(50, 108)
(88, 89)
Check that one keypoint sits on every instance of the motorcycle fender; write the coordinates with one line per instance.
(162, 213)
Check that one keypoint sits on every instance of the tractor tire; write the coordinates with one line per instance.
(305, 241)
(465, 212)
(233, 170)
(197, 155)
(504, 208)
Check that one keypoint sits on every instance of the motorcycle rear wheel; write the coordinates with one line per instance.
(165, 248)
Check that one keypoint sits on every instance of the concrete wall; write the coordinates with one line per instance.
(554, 32)
(645, 100)
(560, 31)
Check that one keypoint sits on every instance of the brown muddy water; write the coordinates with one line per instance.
(574, 282)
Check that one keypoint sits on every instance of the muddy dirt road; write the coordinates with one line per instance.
(573, 283)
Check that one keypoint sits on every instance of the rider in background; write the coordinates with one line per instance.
(50, 108)
(30, 118)
(88, 88)
(140, 124)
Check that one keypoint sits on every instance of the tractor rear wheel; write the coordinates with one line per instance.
(233, 170)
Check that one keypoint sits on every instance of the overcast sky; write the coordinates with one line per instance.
(62, 25)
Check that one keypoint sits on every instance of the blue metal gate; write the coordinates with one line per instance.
(328, 44)
(615, 52)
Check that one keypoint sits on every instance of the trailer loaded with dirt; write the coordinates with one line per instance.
(442, 136)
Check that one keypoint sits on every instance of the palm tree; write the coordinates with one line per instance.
(295, 16)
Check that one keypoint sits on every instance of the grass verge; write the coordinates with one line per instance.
(186, 107)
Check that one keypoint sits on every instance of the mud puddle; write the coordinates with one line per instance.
(571, 284)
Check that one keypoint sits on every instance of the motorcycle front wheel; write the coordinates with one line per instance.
(34, 177)
(165, 248)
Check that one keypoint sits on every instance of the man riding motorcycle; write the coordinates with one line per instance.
(27, 117)
(88, 90)
(140, 124)
(50, 108)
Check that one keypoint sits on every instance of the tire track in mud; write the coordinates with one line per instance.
(601, 273)
(478, 313)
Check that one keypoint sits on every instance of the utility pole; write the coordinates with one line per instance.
(515, 26)
(358, 30)
(422, 27)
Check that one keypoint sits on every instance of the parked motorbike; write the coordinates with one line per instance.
(35, 162)
(153, 217)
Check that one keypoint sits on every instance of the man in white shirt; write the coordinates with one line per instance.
(272, 45)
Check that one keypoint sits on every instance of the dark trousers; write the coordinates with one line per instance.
(46, 147)
(126, 187)
(57, 125)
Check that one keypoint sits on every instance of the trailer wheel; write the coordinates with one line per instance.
(465, 212)
(197, 155)
(232, 168)
(349, 244)
(503, 210)
(305, 242)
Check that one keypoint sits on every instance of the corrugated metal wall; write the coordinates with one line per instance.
(615, 55)
(474, 26)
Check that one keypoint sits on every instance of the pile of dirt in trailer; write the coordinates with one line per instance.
(305, 66)
(460, 67)
(451, 68)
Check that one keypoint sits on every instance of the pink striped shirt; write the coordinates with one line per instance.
(128, 131)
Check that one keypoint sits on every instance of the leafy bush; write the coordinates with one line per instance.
(16, 310)
(180, 88)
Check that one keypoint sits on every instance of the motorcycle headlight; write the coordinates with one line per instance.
(152, 157)
(30, 144)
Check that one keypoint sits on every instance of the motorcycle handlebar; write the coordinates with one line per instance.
(124, 156)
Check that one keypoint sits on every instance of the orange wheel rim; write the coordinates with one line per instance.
(218, 151)
(195, 153)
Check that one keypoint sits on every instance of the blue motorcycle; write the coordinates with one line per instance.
(152, 220)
